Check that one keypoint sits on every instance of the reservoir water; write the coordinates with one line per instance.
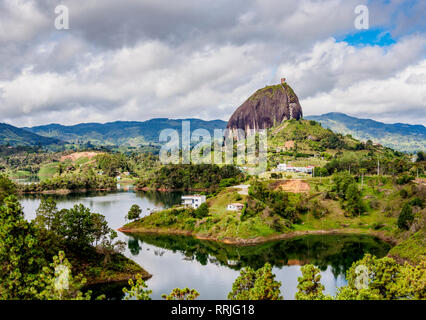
(207, 266)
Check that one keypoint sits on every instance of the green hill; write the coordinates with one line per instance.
(130, 133)
(10, 135)
(308, 136)
(308, 143)
(398, 136)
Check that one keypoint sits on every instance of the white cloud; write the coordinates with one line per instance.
(134, 60)
(370, 81)
(332, 64)
(152, 76)
(395, 99)
(20, 20)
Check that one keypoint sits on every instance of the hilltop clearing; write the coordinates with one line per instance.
(78, 155)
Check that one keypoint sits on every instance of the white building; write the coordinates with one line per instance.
(235, 207)
(193, 201)
(283, 167)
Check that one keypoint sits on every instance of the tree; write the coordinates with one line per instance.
(342, 181)
(77, 226)
(21, 257)
(58, 283)
(137, 289)
(370, 279)
(7, 187)
(347, 189)
(310, 287)
(355, 204)
(134, 212)
(100, 227)
(181, 294)
(385, 279)
(256, 285)
(46, 214)
(108, 247)
(406, 217)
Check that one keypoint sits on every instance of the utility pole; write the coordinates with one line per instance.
(362, 170)
(378, 166)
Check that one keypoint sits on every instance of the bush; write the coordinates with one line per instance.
(318, 211)
(406, 217)
(227, 182)
(202, 211)
(134, 212)
(251, 208)
(404, 179)
(417, 202)
(403, 193)
(190, 223)
(374, 204)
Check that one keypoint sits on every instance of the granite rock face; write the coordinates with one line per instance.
(266, 108)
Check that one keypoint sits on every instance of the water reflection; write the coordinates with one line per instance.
(211, 267)
(335, 251)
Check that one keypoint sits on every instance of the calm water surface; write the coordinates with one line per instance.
(210, 267)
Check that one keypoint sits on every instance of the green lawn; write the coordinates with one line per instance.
(48, 171)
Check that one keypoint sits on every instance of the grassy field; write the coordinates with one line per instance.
(48, 171)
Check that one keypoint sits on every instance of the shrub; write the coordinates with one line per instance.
(403, 193)
(202, 211)
(404, 179)
(417, 202)
(406, 217)
(318, 211)
(134, 212)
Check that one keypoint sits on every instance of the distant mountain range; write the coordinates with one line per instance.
(402, 137)
(16, 136)
(398, 136)
(131, 133)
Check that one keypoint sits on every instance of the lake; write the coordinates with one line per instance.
(207, 266)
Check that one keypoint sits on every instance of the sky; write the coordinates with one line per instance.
(143, 59)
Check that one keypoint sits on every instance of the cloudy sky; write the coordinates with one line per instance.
(140, 59)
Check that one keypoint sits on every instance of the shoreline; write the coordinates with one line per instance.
(169, 190)
(261, 239)
(65, 191)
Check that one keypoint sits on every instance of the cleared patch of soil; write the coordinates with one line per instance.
(77, 155)
(293, 185)
(289, 144)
